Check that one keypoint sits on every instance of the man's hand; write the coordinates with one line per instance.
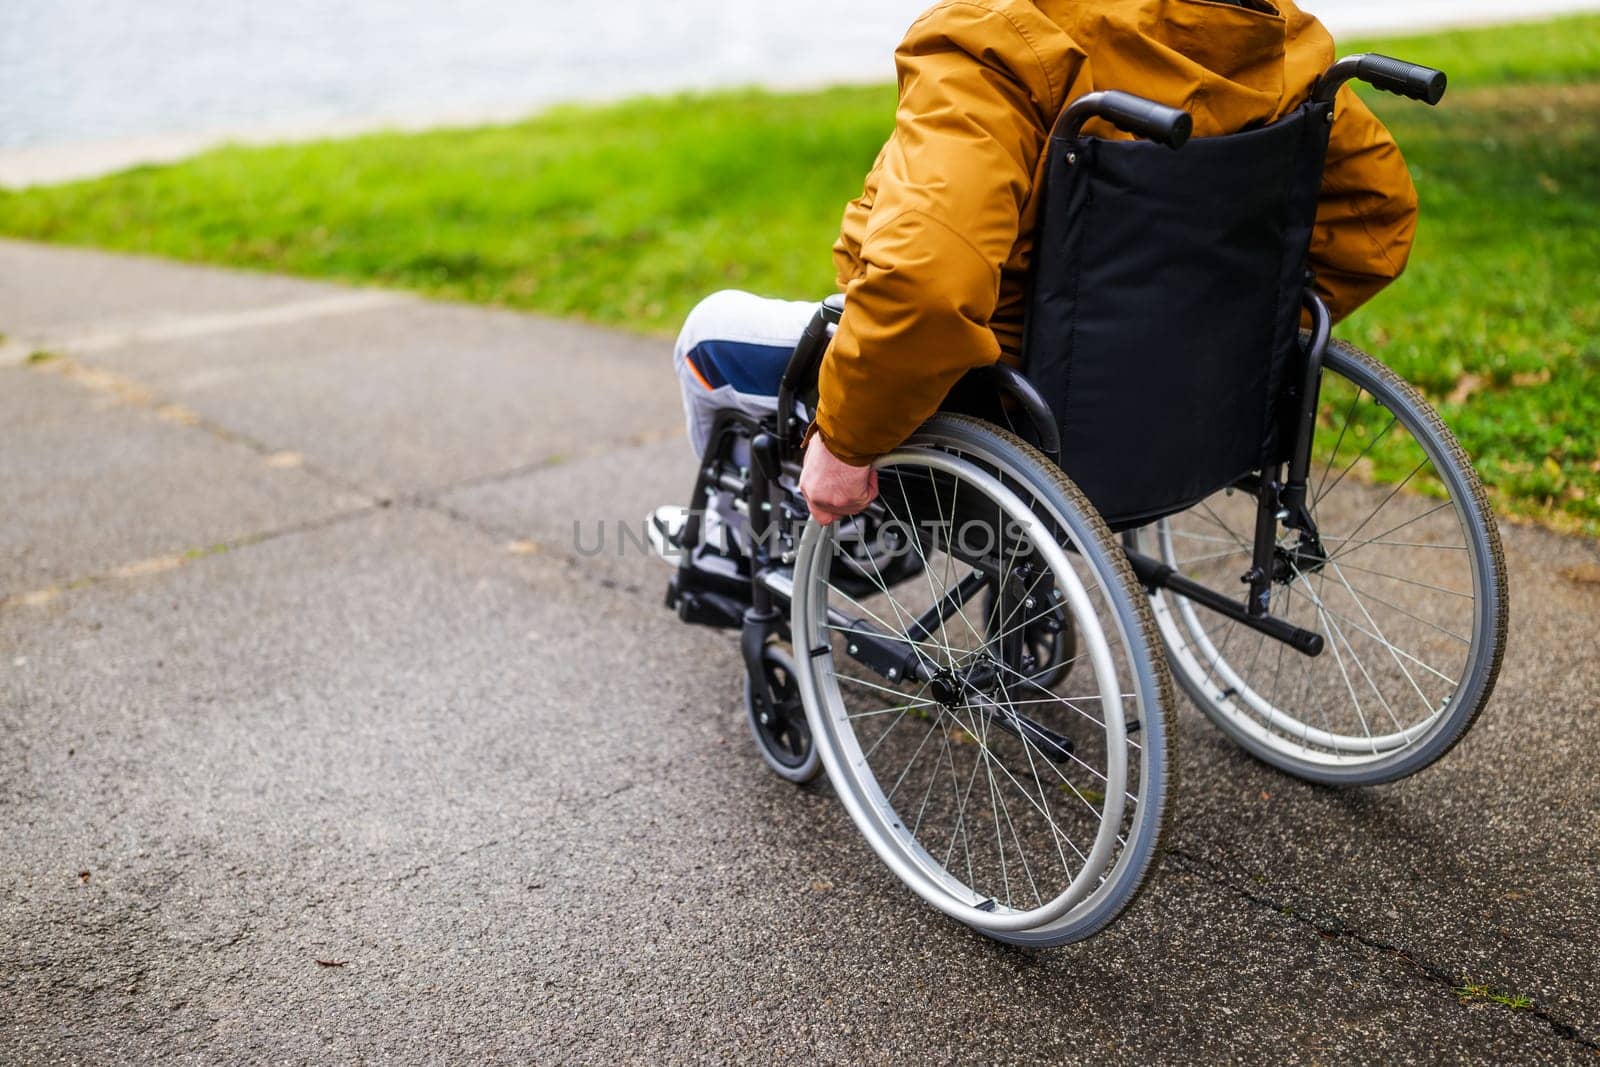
(833, 488)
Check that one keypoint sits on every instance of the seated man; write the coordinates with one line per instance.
(934, 254)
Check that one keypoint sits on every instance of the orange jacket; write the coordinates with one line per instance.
(934, 253)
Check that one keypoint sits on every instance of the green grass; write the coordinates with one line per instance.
(627, 214)
(1470, 992)
(624, 214)
(1498, 318)
(1552, 51)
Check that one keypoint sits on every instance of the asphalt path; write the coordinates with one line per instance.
(325, 735)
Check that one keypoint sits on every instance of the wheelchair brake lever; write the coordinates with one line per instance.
(765, 458)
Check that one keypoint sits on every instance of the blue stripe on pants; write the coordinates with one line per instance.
(749, 368)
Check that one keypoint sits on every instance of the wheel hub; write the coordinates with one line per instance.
(1303, 558)
(952, 687)
(946, 689)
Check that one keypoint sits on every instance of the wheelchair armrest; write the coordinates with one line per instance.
(801, 372)
(1014, 383)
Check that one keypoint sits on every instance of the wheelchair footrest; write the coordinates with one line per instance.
(704, 607)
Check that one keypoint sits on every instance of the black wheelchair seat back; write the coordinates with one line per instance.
(1163, 326)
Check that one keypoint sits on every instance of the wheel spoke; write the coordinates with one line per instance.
(1397, 650)
(1391, 605)
(984, 750)
(927, 570)
(1385, 503)
(1343, 429)
(1393, 418)
(917, 703)
(1408, 581)
(1362, 667)
(1378, 636)
(1334, 638)
(1415, 518)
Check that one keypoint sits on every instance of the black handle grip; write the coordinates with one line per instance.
(1405, 79)
(1138, 116)
(1410, 80)
(1146, 118)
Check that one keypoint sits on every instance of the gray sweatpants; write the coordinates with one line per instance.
(732, 352)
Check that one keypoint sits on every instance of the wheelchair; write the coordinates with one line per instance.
(1187, 480)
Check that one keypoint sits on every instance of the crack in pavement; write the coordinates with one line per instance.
(552, 461)
(163, 564)
(578, 804)
(425, 501)
(423, 868)
(129, 392)
(180, 327)
(1218, 876)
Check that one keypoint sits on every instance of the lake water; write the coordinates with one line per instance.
(73, 70)
(89, 70)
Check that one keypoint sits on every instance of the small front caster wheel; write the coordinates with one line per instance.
(779, 724)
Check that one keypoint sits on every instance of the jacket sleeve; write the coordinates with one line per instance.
(1367, 216)
(975, 102)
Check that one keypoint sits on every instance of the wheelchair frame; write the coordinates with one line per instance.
(755, 602)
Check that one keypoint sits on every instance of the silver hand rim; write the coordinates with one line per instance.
(847, 768)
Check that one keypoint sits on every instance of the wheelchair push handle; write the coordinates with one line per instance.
(1133, 114)
(1410, 80)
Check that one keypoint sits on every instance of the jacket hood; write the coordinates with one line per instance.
(1217, 49)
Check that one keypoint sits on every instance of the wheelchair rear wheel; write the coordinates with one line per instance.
(1029, 811)
(1407, 589)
